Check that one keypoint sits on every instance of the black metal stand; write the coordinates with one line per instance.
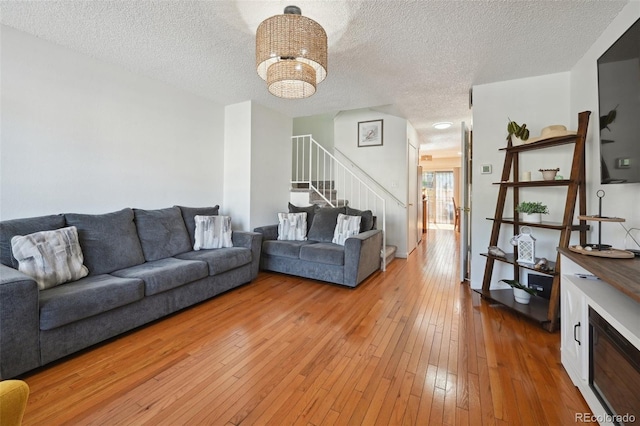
(600, 194)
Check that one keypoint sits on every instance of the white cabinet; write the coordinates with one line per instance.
(574, 332)
(577, 296)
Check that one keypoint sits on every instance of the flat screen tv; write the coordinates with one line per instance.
(619, 102)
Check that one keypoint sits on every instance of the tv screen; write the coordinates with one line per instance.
(619, 102)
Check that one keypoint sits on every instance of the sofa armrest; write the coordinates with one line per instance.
(19, 323)
(253, 241)
(269, 232)
(362, 256)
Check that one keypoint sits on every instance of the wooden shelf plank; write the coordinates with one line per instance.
(563, 140)
(547, 225)
(536, 309)
(535, 183)
(601, 218)
(510, 258)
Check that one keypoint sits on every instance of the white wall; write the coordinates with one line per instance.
(237, 164)
(539, 102)
(386, 164)
(257, 157)
(441, 164)
(622, 200)
(80, 135)
(320, 126)
(270, 157)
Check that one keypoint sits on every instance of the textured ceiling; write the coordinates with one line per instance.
(416, 59)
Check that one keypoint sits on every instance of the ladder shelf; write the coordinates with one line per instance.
(545, 312)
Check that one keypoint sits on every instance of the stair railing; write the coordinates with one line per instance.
(317, 169)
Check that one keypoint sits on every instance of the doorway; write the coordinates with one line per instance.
(439, 191)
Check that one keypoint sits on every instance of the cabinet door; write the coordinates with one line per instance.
(574, 331)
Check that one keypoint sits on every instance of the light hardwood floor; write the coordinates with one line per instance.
(408, 346)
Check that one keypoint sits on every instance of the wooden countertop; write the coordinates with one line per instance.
(622, 274)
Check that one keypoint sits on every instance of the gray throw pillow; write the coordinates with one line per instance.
(189, 214)
(213, 232)
(292, 226)
(109, 241)
(162, 233)
(347, 227)
(50, 257)
(366, 224)
(324, 223)
(310, 211)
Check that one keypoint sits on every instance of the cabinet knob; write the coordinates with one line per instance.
(574, 333)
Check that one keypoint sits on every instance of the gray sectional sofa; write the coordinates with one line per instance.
(317, 257)
(141, 267)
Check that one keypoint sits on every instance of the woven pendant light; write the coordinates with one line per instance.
(291, 54)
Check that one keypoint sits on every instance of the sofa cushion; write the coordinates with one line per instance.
(310, 211)
(109, 241)
(165, 274)
(11, 228)
(189, 214)
(50, 257)
(162, 233)
(220, 260)
(328, 253)
(324, 223)
(366, 224)
(86, 297)
(212, 232)
(284, 248)
(347, 227)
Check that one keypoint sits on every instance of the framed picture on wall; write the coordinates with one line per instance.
(370, 133)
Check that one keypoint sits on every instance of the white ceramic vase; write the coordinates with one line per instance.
(532, 217)
(521, 296)
(515, 141)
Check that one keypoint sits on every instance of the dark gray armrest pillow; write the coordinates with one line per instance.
(366, 223)
(189, 214)
(324, 224)
(310, 211)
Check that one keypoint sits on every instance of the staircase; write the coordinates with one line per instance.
(330, 183)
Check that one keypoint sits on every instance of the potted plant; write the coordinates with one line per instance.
(521, 293)
(517, 133)
(549, 174)
(532, 211)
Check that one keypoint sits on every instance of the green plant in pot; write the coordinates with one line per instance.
(517, 133)
(521, 293)
(532, 211)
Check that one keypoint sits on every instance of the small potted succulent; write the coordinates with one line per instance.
(517, 133)
(532, 211)
(521, 293)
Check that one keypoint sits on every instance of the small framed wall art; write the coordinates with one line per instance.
(370, 133)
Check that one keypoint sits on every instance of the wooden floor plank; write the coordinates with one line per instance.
(409, 346)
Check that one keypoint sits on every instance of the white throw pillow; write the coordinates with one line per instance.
(347, 226)
(292, 226)
(212, 232)
(50, 257)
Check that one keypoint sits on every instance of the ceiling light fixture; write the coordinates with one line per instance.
(443, 125)
(291, 54)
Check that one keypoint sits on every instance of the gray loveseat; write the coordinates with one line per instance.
(317, 257)
(141, 267)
